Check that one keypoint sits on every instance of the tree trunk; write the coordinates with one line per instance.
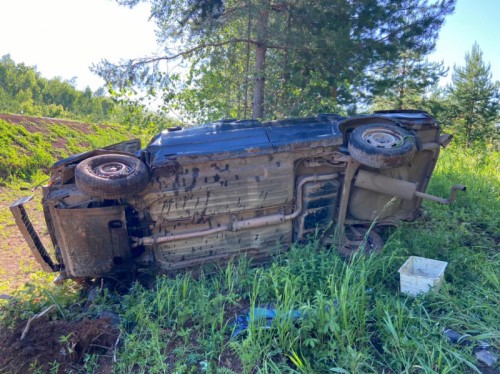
(260, 59)
(260, 79)
(402, 86)
(285, 75)
(247, 62)
(335, 92)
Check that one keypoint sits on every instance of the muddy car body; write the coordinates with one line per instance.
(205, 194)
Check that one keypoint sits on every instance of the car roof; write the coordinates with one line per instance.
(241, 138)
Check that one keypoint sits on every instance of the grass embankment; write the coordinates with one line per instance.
(28, 147)
(351, 317)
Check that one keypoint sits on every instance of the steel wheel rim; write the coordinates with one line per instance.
(382, 138)
(112, 170)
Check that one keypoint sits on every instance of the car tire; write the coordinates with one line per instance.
(382, 146)
(111, 176)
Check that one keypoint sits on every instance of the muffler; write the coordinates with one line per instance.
(399, 188)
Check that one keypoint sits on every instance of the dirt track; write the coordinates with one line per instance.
(17, 262)
(37, 124)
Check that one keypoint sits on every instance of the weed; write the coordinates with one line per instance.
(331, 315)
(37, 295)
(27, 155)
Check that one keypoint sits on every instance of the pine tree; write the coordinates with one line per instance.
(475, 99)
(297, 56)
(404, 83)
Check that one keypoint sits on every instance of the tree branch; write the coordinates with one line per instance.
(187, 52)
(147, 60)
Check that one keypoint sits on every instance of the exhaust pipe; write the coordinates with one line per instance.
(399, 188)
(274, 219)
(450, 200)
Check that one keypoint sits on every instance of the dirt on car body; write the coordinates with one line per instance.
(209, 193)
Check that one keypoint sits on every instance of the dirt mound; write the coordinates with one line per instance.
(37, 124)
(67, 342)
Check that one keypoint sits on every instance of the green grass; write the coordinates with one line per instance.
(27, 151)
(27, 156)
(352, 317)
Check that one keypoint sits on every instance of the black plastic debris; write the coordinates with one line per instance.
(481, 348)
(456, 337)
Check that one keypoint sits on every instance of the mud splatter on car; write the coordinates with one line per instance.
(209, 193)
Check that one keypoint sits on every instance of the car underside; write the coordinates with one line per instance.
(209, 193)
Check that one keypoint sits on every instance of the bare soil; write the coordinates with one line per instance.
(38, 124)
(64, 342)
(17, 262)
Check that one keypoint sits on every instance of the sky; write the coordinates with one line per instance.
(65, 37)
(473, 21)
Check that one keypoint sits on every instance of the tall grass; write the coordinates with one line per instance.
(27, 156)
(333, 315)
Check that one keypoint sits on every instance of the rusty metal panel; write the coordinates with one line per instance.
(222, 246)
(216, 188)
(92, 241)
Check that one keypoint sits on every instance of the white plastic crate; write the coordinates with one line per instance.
(420, 274)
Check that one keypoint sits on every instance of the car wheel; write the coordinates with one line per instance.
(360, 239)
(111, 176)
(381, 146)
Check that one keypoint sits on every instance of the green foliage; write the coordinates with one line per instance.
(468, 108)
(132, 111)
(475, 99)
(332, 315)
(291, 57)
(28, 155)
(405, 82)
(36, 295)
(24, 91)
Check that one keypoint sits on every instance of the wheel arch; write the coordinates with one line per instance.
(382, 146)
(347, 126)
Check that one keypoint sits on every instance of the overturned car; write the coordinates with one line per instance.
(205, 194)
